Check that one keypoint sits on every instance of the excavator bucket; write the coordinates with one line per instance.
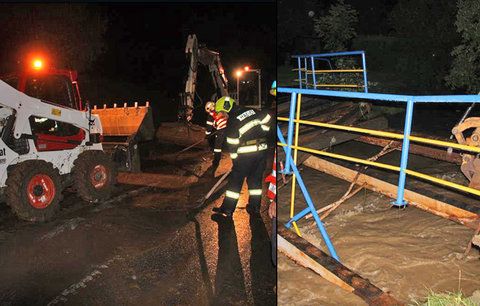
(123, 129)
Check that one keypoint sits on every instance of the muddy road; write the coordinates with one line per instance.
(139, 248)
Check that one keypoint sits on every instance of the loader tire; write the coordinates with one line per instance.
(94, 175)
(34, 190)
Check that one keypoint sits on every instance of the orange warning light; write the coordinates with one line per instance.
(37, 64)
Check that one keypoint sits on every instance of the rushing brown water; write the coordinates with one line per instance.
(407, 252)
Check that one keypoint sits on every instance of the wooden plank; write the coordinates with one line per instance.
(439, 154)
(439, 208)
(156, 180)
(308, 256)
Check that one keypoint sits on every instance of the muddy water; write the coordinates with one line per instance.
(406, 252)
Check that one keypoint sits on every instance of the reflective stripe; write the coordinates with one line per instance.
(209, 122)
(265, 128)
(217, 150)
(233, 140)
(232, 194)
(248, 126)
(248, 149)
(266, 119)
(233, 155)
(255, 192)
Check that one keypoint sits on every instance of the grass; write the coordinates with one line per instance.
(446, 299)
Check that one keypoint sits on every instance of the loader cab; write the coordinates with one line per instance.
(53, 85)
(56, 86)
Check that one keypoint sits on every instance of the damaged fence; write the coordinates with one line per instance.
(291, 143)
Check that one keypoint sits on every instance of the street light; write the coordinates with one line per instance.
(238, 73)
(259, 72)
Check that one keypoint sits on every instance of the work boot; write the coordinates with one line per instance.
(253, 210)
(219, 211)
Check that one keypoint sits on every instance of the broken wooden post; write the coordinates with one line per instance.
(308, 256)
(434, 206)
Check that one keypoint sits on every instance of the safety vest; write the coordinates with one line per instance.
(214, 121)
(247, 131)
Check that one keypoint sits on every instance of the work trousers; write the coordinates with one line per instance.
(248, 166)
(217, 149)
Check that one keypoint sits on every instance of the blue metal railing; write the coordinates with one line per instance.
(403, 171)
(326, 57)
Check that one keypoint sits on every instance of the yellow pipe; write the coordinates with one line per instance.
(335, 71)
(339, 85)
(389, 167)
(301, 69)
(332, 85)
(443, 182)
(295, 153)
(388, 135)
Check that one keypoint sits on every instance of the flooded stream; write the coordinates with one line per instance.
(407, 252)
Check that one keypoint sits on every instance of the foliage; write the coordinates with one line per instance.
(71, 35)
(465, 71)
(426, 34)
(295, 26)
(337, 28)
(446, 299)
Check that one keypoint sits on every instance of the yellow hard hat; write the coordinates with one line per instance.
(224, 104)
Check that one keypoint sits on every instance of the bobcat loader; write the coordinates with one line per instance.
(124, 127)
(45, 147)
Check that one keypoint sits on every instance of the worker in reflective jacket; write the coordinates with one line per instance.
(216, 125)
(246, 138)
(209, 129)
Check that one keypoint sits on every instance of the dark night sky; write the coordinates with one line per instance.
(145, 43)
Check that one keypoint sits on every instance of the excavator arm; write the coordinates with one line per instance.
(197, 54)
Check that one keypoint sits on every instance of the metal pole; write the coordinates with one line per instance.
(259, 88)
(238, 90)
(299, 72)
(306, 74)
(309, 201)
(313, 73)
(293, 103)
(404, 159)
(365, 80)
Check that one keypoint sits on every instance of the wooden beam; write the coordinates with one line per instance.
(439, 208)
(435, 153)
(157, 180)
(308, 256)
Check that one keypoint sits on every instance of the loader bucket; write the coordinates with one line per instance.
(127, 121)
(124, 128)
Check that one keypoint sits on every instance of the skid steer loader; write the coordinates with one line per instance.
(45, 147)
(124, 127)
